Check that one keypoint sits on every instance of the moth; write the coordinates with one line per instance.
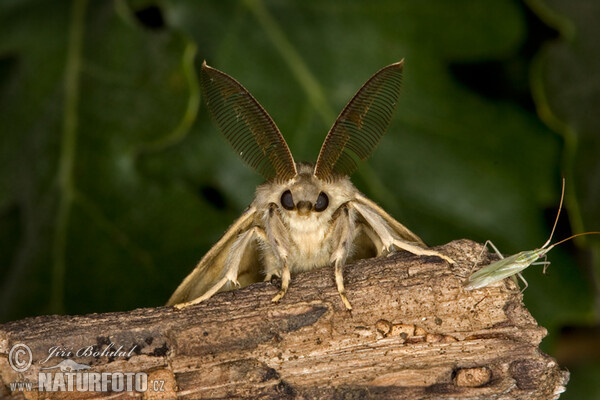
(305, 215)
(511, 266)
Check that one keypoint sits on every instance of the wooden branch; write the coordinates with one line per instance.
(413, 333)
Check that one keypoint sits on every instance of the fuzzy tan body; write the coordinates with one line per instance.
(307, 236)
(276, 241)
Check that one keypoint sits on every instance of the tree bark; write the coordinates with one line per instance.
(414, 332)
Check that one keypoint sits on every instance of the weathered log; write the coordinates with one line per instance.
(414, 333)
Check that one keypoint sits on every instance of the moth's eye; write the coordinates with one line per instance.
(322, 202)
(287, 201)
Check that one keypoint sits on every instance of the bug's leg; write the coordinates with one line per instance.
(232, 263)
(481, 252)
(545, 263)
(488, 242)
(342, 228)
(277, 236)
(524, 281)
(495, 248)
(515, 280)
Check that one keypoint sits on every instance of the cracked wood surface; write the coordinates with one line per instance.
(413, 333)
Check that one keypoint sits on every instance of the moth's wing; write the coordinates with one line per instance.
(403, 232)
(212, 268)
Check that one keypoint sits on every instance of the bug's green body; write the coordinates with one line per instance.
(506, 267)
(513, 265)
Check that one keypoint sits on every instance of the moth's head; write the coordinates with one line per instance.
(305, 195)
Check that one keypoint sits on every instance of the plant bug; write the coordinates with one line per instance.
(513, 265)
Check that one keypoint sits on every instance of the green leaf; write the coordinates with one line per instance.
(567, 88)
(89, 229)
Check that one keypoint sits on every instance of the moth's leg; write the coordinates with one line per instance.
(342, 227)
(373, 237)
(270, 262)
(270, 275)
(420, 251)
(285, 283)
(277, 236)
(389, 241)
(378, 226)
(232, 264)
(339, 281)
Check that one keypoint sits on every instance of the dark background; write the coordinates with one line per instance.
(114, 182)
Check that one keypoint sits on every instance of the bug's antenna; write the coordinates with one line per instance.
(574, 236)
(562, 196)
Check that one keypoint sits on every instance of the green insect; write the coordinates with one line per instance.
(513, 265)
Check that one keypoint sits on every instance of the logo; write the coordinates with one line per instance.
(70, 376)
(69, 366)
(20, 357)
